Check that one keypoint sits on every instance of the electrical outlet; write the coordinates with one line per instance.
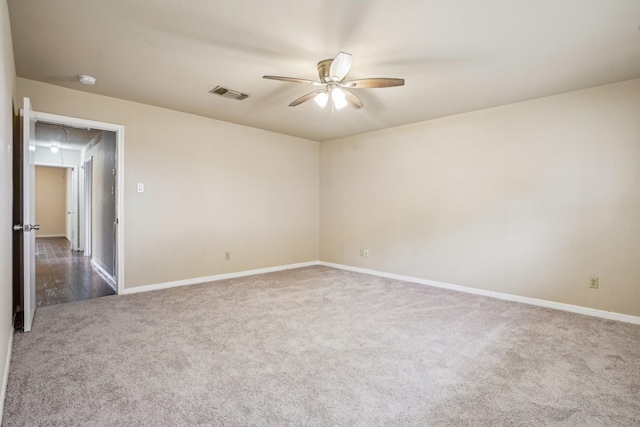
(593, 282)
(364, 252)
(227, 256)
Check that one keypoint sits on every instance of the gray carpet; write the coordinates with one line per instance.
(320, 347)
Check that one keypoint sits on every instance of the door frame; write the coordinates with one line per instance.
(75, 214)
(119, 131)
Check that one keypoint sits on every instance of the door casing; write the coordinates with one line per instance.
(119, 131)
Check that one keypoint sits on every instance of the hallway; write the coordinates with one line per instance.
(63, 275)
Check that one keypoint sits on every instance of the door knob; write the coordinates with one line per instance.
(26, 227)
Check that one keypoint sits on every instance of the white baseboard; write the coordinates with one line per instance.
(51, 235)
(105, 275)
(5, 376)
(198, 280)
(509, 297)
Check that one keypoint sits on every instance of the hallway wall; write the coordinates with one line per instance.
(103, 199)
(51, 201)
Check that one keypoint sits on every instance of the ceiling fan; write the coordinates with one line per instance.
(332, 73)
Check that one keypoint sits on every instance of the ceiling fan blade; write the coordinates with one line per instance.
(293, 80)
(305, 98)
(340, 66)
(352, 100)
(374, 83)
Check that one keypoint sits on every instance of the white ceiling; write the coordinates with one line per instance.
(456, 56)
(65, 137)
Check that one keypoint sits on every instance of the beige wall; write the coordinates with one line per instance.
(7, 97)
(210, 187)
(51, 200)
(528, 199)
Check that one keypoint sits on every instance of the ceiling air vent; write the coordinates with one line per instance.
(228, 93)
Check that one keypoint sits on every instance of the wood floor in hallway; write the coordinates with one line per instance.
(63, 275)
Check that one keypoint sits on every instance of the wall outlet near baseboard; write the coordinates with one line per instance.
(227, 256)
(593, 282)
(364, 252)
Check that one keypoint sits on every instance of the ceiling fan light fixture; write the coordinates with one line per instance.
(333, 78)
(339, 103)
(321, 99)
(339, 98)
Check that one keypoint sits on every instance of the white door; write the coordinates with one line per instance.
(72, 208)
(75, 240)
(29, 213)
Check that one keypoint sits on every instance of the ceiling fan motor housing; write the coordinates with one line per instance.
(323, 70)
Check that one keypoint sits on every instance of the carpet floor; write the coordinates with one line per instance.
(319, 346)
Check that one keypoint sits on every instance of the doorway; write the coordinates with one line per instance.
(76, 249)
(24, 196)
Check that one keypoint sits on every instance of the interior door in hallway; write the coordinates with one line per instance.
(28, 226)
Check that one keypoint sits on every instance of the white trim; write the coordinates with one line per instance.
(105, 274)
(50, 235)
(74, 121)
(198, 280)
(509, 297)
(119, 130)
(5, 376)
(54, 165)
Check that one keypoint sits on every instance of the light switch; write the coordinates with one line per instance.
(140, 187)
